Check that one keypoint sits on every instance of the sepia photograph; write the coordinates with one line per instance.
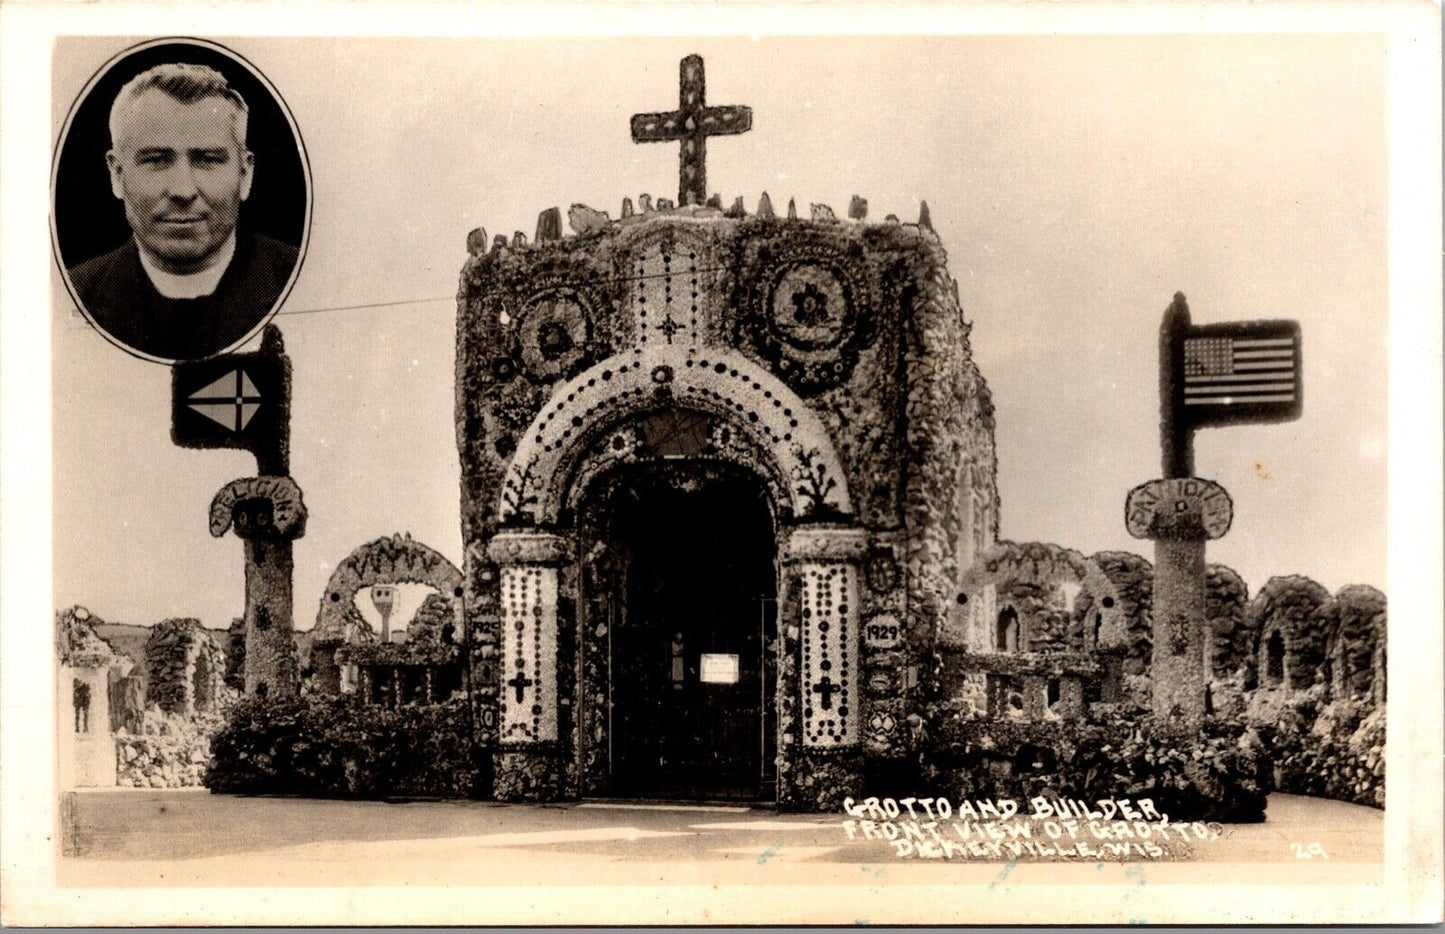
(163, 134)
(977, 465)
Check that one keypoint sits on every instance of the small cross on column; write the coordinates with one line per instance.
(519, 683)
(827, 688)
(691, 124)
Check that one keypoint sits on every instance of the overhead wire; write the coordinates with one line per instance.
(609, 280)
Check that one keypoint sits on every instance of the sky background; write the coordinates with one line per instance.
(1076, 183)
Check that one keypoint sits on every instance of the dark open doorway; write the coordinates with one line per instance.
(690, 703)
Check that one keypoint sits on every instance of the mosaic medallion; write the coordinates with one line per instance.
(555, 335)
(810, 309)
(881, 571)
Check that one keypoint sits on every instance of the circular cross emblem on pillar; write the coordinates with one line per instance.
(1183, 508)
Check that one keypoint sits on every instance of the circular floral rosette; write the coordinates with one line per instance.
(810, 324)
(810, 309)
(555, 334)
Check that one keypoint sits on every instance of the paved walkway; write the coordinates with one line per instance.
(142, 838)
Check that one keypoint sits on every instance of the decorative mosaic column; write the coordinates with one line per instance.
(528, 761)
(824, 563)
(1180, 514)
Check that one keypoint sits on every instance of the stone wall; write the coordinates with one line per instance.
(1023, 686)
(185, 668)
(168, 751)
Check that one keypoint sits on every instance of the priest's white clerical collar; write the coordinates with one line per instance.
(192, 285)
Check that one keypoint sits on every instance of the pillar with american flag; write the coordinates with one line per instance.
(1217, 374)
(1239, 371)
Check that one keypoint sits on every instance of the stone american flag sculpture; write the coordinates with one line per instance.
(1210, 375)
(1243, 365)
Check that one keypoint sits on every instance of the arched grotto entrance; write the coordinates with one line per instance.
(678, 632)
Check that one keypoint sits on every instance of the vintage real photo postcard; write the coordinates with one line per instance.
(727, 464)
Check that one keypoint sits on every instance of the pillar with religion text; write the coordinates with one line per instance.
(243, 401)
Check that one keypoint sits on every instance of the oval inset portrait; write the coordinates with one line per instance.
(182, 200)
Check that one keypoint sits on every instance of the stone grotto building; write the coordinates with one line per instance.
(185, 668)
(721, 473)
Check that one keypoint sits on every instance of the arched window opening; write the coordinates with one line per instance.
(201, 690)
(1274, 658)
(1008, 630)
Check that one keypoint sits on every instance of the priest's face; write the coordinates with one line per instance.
(182, 172)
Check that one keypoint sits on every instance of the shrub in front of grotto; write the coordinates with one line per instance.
(335, 746)
(1328, 749)
(1223, 775)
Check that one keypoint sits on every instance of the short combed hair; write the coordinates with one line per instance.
(187, 84)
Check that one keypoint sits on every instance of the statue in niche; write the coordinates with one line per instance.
(81, 698)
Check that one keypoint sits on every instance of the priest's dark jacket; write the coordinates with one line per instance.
(122, 302)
